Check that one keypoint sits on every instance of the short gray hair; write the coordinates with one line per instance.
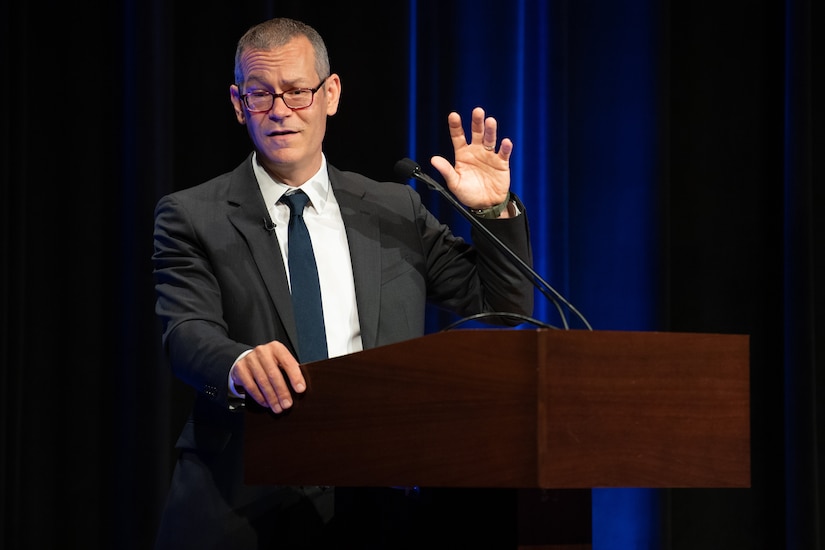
(274, 34)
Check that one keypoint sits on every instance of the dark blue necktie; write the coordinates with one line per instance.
(305, 288)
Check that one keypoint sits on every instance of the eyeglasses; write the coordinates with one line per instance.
(261, 101)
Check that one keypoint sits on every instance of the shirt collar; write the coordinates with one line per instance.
(316, 188)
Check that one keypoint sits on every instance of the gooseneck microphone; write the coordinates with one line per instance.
(409, 169)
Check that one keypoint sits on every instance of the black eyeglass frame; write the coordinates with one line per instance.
(282, 95)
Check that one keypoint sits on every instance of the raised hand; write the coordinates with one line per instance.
(481, 176)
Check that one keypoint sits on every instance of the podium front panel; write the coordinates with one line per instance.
(516, 409)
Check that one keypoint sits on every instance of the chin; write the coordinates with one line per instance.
(279, 156)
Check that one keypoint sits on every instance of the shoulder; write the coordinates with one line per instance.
(225, 188)
(364, 188)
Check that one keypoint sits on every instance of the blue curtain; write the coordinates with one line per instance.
(585, 160)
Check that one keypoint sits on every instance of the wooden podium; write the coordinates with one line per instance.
(524, 409)
(517, 408)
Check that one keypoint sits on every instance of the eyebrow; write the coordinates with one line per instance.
(285, 85)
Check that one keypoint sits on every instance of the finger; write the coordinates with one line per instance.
(252, 375)
(477, 125)
(490, 129)
(505, 149)
(288, 365)
(456, 131)
(445, 169)
(278, 362)
(244, 383)
(261, 372)
(295, 376)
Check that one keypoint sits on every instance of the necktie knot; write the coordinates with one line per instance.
(296, 202)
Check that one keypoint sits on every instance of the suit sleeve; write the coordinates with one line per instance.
(189, 304)
(480, 278)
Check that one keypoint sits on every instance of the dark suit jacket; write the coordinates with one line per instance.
(222, 286)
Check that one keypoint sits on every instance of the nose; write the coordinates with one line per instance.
(279, 108)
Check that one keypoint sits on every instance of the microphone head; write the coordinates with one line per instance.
(406, 169)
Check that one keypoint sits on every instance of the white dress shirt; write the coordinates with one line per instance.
(329, 243)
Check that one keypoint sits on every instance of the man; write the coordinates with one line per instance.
(223, 281)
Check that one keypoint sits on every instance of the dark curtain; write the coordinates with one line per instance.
(682, 159)
(725, 210)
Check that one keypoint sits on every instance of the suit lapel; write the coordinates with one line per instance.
(363, 236)
(248, 215)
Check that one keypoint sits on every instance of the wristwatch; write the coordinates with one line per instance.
(492, 212)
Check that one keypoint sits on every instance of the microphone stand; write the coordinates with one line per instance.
(408, 168)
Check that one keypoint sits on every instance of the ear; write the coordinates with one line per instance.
(332, 87)
(237, 103)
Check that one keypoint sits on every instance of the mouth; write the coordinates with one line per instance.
(281, 133)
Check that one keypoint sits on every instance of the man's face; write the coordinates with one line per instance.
(288, 141)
